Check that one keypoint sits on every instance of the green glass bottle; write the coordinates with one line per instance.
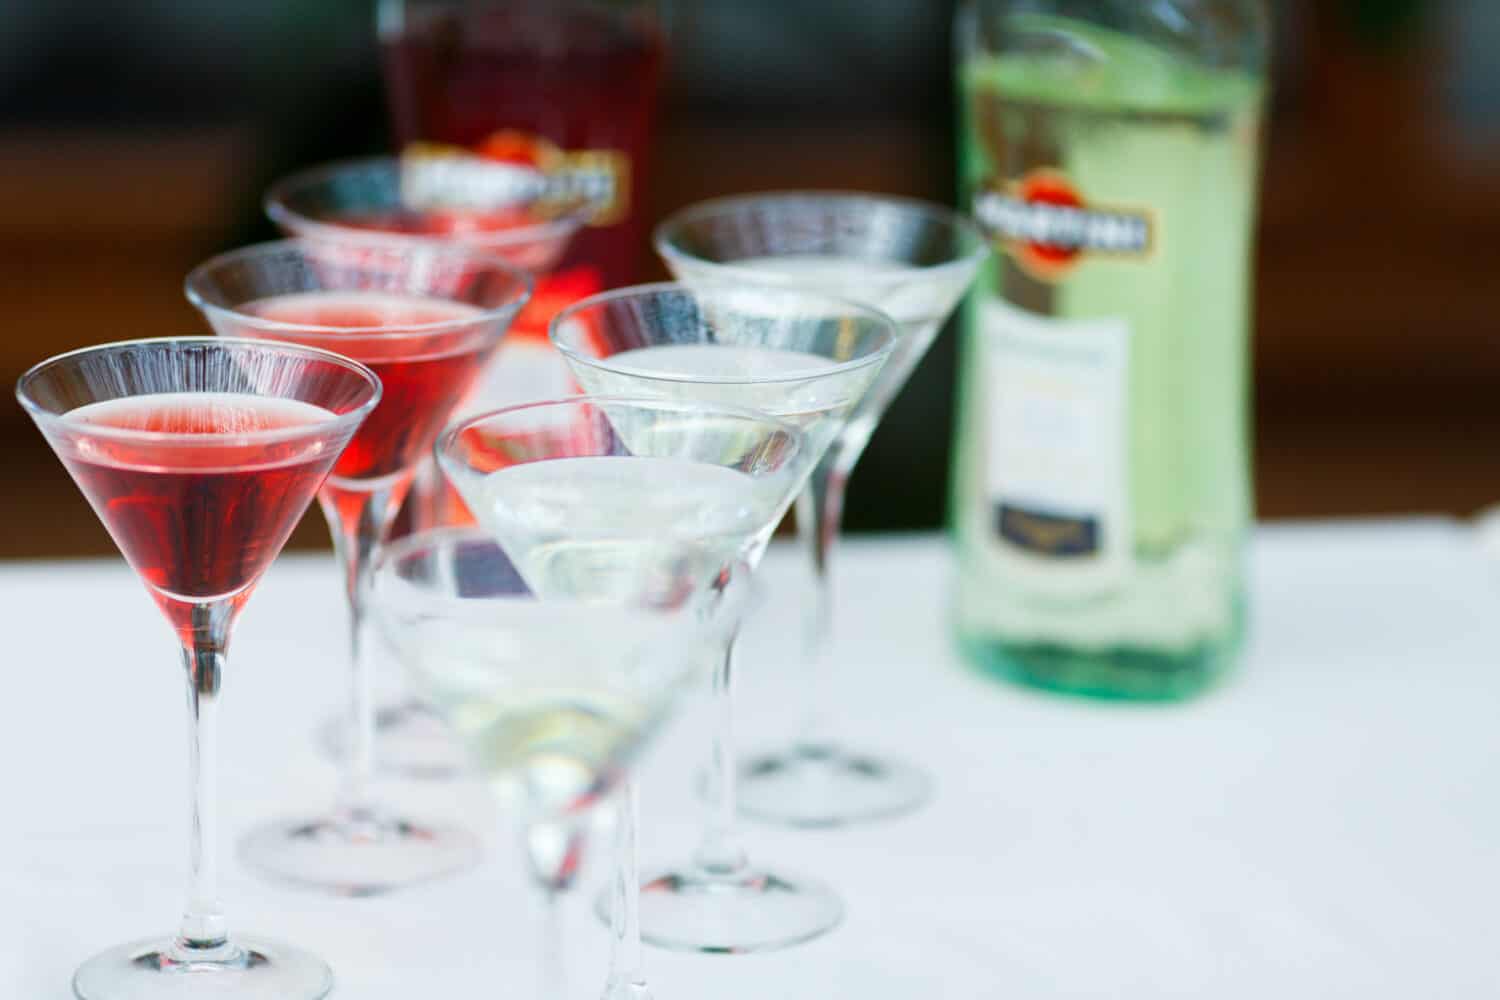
(1102, 494)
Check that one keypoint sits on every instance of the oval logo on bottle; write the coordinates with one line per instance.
(1048, 227)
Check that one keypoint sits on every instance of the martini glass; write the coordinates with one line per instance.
(503, 208)
(200, 455)
(573, 489)
(425, 318)
(552, 718)
(806, 358)
(915, 261)
(598, 497)
(507, 209)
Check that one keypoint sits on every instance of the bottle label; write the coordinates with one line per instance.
(1057, 474)
(510, 167)
(1048, 228)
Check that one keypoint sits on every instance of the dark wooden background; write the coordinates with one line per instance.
(125, 159)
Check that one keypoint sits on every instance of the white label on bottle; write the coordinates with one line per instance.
(1058, 435)
(443, 178)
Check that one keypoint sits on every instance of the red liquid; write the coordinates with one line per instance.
(423, 374)
(201, 514)
(496, 78)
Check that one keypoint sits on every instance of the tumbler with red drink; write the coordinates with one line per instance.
(566, 86)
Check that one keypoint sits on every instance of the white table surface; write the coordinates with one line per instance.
(1326, 825)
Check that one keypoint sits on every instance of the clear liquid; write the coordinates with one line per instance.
(917, 298)
(907, 294)
(622, 528)
(811, 392)
(723, 361)
(552, 710)
(1129, 126)
(550, 699)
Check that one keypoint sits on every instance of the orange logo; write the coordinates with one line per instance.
(598, 176)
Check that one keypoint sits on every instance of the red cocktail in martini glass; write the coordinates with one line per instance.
(433, 196)
(505, 209)
(425, 318)
(200, 455)
(437, 196)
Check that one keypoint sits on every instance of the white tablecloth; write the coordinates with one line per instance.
(1326, 825)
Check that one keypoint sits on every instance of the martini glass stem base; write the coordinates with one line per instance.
(824, 785)
(358, 521)
(249, 969)
(411, 742)
(203, 649)
(816, 783)
(752, 911)
(722, 904)
(203, 953)
(358, 852)
(360, 849)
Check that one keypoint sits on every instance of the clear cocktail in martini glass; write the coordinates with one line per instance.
(914, 261)
(554, 701)
(425, 318)
(808, 359)
(200, 455)
(613, 510)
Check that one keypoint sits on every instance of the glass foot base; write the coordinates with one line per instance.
(750, 911)
(358, 857)
(249, 968)
(411, 741)
(822, 786)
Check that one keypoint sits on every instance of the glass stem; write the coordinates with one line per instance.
(358, 522)
(554, 964)
(204, 934)
(627, 967)
(820, 511)
(720, 855)
(554, 851)
(424, 500)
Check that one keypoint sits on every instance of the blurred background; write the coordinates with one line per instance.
(136, 140)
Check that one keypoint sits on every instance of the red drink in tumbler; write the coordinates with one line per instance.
(562, 85)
